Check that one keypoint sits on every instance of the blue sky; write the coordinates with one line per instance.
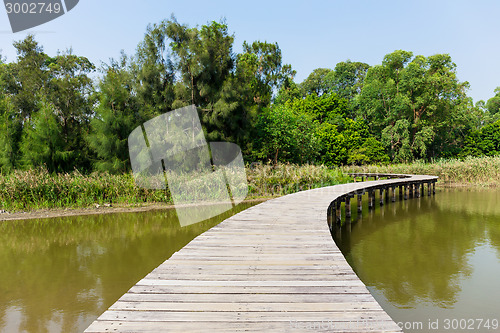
(311, 33)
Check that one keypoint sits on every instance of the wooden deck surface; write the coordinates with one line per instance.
(271, 268)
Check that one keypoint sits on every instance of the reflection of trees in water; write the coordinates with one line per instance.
(69, 270)
(420, 254)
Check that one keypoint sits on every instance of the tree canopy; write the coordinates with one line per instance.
(56, 112)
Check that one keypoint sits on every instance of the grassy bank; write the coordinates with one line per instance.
(38, 189)
(473, 171)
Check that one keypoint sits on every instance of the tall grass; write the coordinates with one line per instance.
(266, 179)
(38, 189)
(475, 171)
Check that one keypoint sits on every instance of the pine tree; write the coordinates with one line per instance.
(42, 142)
(116, 116)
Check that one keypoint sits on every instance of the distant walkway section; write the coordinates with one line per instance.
(271, 268)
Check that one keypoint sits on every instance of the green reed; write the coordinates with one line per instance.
(471, 171)
(24, 190)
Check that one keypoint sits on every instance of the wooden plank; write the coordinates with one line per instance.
(248, 298)
(241, 316)
(249, 307)
(235, 326)
(254, 283)
(157, 289)
(249, 276)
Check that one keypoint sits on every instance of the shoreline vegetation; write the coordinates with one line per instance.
(469, 171)
(37, 193)
(60, 113)
(37, 189)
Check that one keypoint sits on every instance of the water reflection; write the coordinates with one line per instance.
(430, 257)
(58, 275)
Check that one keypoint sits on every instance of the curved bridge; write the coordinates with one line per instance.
(271, 268)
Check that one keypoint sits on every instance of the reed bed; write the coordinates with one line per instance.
(268, 180)
(471, 171)
(38, 189)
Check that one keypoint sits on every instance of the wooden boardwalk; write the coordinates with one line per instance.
(271, 268)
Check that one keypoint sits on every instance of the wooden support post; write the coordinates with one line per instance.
(370, 199)
(387, 194)
(417, 190)
(410, 190)
(362, 178)
(401, 192)
(348, 208)
(360, 203)
(381, 197)
(338, 212)
(434, 187)
(393, 192)
(329, 217)
(429, 189)
(406, 192)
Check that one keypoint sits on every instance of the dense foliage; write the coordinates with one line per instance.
(53, 114)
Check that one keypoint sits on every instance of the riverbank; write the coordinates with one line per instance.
(97, 209)
(470, 172)
(39, 192)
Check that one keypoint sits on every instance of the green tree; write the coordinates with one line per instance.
(348, 78)
(349, 144)
(319, 82)
(493, 104)
(416, 105)
(285, 135)
(59, 84)
(288, 92)
(69, 90)
(153, 71)
(203, 58)
(42, 143)
(10, 134)
(117, 114)
(485, 142)
(265, 62)
(327, 107)
(22, 85)
(26, 80)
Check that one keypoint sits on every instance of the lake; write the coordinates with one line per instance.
(60, 274)
(433, 263)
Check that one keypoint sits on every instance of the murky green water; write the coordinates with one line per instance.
(432, 263)
(58, 275)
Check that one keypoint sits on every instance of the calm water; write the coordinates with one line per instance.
(432, 261)
(58, 275)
